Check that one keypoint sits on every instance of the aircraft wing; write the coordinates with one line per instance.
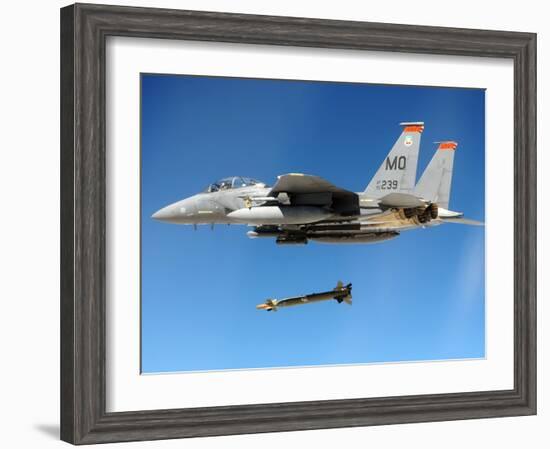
(297, 183)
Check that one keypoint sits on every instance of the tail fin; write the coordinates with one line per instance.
(348, 297)
(435, 182)
(397, 174)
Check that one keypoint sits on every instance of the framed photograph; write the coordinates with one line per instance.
(274, 224)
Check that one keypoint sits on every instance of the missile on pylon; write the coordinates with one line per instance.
(340, 293)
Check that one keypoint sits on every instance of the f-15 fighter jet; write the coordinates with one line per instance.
(300, 207)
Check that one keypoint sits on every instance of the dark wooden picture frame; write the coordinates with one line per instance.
(84, 29)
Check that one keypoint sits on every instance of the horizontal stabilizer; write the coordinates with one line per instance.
(465, 221)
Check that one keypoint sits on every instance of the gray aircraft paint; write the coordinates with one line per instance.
(397, 173)
(435, 183)
(300, 208)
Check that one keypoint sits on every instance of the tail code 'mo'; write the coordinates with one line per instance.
(435, 182)
(397, 174)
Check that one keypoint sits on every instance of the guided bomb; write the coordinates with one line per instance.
(340, 293)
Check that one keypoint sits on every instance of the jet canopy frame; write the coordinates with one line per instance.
(232, 182)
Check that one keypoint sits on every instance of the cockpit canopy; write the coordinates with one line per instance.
(234, 182)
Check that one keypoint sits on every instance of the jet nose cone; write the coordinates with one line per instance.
(182, 212)
(164, 214)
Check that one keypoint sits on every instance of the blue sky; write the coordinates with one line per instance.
(418, 297)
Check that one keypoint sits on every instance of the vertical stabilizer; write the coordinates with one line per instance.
(435, 182)
(397, 174)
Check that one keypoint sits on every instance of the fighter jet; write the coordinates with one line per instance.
(300, 208)
(341, 293)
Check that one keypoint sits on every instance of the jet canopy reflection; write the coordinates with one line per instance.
(233, 182)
